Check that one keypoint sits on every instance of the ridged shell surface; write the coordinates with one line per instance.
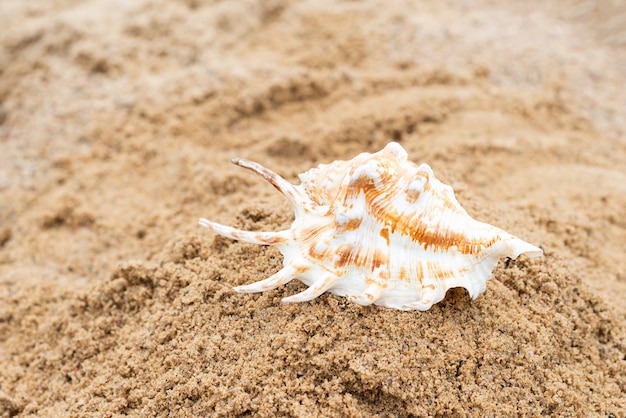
(379, 229)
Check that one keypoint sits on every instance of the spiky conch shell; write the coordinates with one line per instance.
(378, 229)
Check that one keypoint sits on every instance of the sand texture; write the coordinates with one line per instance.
(118, 121)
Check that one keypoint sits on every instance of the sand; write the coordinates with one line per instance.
(117, 124)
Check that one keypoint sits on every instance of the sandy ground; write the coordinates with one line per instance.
(118, 120)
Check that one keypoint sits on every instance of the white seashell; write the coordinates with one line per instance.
(378, 229)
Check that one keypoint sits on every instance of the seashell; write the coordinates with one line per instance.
(378, 229)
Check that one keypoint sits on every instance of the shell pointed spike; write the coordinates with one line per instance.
(396, 150)
(517, 247)
(315, 290)
(297, 199)
(418, 306)
(370, 295)
(280, 278)
(263, 238)
(428, 298)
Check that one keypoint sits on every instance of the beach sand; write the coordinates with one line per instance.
(118, 121)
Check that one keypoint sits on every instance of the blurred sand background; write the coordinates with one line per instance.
(118, 120)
